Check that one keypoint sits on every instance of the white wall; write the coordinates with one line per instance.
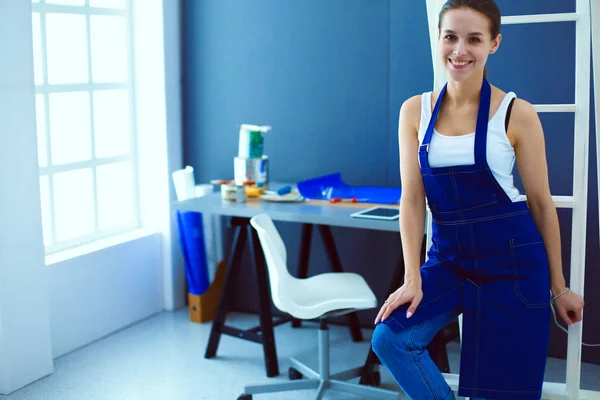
(48, 311)
(95, 294)
(173, 82)
(25, 349)
(156, 38)
(119, 285)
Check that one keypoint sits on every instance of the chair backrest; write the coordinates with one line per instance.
(276, 257)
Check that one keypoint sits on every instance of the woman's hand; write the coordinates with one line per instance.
(569, 307)
(409, 292)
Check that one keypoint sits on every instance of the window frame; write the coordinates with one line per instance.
(45, 89)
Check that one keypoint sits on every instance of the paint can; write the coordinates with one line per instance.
(231, 193)
(251, 169)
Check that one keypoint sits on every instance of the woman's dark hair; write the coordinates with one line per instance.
(489, 8)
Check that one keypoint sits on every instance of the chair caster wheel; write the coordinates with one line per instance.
(245, 397)
(372, 380)
(294, 375)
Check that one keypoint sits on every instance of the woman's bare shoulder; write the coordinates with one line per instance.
(411, 110)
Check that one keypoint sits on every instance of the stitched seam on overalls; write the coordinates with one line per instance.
(500, 391)
(474, 220)
(458, 245)
(527, 244)
(478, 332)
(455, 188)
(453, 172)
(439, 297)
(415, 359)
(516, 285)
(468, 209)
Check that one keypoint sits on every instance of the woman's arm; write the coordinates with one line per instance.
(526, 128)
(412, 212)
(412, 202)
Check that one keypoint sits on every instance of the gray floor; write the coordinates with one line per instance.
(162, 358)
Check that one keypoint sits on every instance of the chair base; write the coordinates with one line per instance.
(321, 384)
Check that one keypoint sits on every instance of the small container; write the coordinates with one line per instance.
(251, 169)
(251, 140)
(231, 193)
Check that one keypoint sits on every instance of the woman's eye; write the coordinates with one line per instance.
(475, 40)
(449, 37)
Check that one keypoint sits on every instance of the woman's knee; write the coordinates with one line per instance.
(386, 342)
(382, 340)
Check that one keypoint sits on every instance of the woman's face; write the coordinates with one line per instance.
(465, 43)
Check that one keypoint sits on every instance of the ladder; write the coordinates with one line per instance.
(578, 201)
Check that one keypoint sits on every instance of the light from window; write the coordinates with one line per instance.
(40, 118)
(73, 204)
(109, 49)
(111, 123)
(115, 194)
(67, 2)
(66, 48)
(70, 127)
(108, 3)
(85, 129)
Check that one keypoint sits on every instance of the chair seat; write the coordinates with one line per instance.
(325, 293)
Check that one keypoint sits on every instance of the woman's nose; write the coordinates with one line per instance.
(459, 49)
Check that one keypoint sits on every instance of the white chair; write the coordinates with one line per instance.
(321, 296)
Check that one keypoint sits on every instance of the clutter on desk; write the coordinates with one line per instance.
(251, 142)
(184, 182)
(347, 200)
(251, 169)
(250, 187)
(333, 187)
(281, 191)
(251, 164)
(233, 193)
(292, 196)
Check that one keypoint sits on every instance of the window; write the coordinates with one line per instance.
(85, 125)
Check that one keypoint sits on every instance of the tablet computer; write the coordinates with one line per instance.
(379, 212)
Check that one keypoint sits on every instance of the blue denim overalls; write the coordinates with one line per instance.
(488, 261)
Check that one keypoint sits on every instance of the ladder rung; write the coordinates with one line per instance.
(537, 18)
(559, 201)
(555, 108)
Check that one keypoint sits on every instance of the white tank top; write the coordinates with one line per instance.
(446, 151)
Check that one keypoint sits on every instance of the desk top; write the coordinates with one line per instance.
(311, 212)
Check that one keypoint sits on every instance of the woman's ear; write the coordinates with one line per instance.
(496, 43)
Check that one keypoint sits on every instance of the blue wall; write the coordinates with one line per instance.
(330, 77)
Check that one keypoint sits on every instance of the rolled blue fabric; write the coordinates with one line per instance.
(191, 238)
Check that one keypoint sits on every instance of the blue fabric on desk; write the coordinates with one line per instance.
(191, 238)
(331, 186)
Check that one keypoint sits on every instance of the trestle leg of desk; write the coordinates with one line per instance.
(264, 296)
(262, 334)
(303, 258)
(233, 265)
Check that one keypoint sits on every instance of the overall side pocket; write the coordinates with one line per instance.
(530, 268)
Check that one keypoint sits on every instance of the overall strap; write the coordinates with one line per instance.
(481, 131)
(424, 148)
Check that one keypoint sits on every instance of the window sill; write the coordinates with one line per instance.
(98, 245)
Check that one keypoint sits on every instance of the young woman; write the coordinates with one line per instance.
(495, 259)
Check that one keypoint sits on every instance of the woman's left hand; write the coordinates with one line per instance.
(569, 306)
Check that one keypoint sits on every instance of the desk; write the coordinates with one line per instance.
(320, 213)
